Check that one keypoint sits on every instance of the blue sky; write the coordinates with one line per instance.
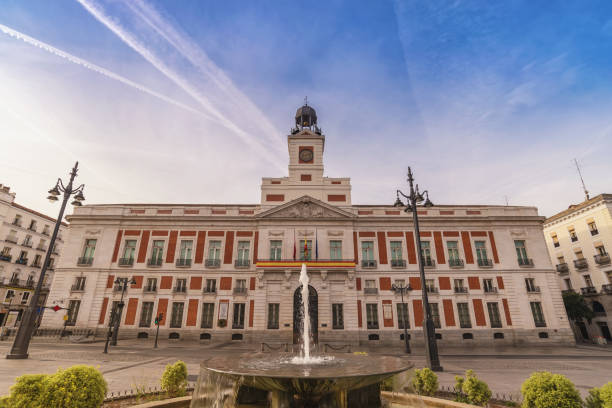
(191, 101)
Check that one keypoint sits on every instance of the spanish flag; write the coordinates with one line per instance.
(305, 249)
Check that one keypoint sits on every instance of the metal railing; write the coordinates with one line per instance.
(126, 261)
(370, 291)
(6, 258)
(607, 288)
(22, 261)
(455, 263)
(368, 263)
(533, 289)
(180, 289)
(594, 231)
(183, 262)
(588, 291)
(602, 259)
(210, 291)
(461, 289)
(242, 263)
(212, 263)
(240, 291)
(525, 262)
(429, 263)
(490, 289)
(150, 289)
(431, 289)
(77, 288)
(485, 263)
(155, 261)
(581, 263)
(574, 238)
(398, 263)
(562, 268)
(27, 244)
(85, 261)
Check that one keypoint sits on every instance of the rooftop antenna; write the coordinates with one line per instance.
(506, 198)
(586, 193)
(306, 101)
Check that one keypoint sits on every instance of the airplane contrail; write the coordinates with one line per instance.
(128, 38)
(93, 67)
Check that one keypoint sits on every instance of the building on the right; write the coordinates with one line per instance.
(578, 240)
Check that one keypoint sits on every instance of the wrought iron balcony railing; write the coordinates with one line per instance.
(368, 263)
(602, 259)
(461, 289)
(398, 263)
(155, 261)
(150, 289)
(588, 291)
(431, 289)
(607, 288)
(525, 262)
(540, 324)
(22, 261)
(581, 263)
(556, 244)
(370, 291)
(490, 289)
(242, 263)
(210, 291)
(212, 263)
(180, 289)
(183, 263)
(429, 263)
(6, 258)
(126, 261)
(455, 263)
(533, 289)
(27, 244)
(563, 268)
(574, 238)
(77, 288)
(240, 291)
(594, 231)
(85, 261)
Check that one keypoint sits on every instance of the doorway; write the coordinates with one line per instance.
(605, 330)
(298, 314)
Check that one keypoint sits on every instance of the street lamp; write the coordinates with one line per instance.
(414, 199)
(28, 321)
(116, 313)
(401, 289)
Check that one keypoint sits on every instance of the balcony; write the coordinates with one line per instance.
(606, 289)
(368, 263)
(77, 288)
(556, 244)
(370, 291)
(212, 263)
(490, 289)
(429, 263)
(588, 291)
(35, 264)
(431, 289)
(581, 264)
(563, 268)
(533, 289)
(398, 263)
(183, 263)
(242, 291)
(85, 261)
(461, 289)
(179, 289)
(210, 291)
(6, 258)
(242, 263)
(455, 263)
(602, 259)
(29, 283)
(11, 239)
(525, 262)
(150, 289)
(540, 324)
(27, 244)
(126, 261)
(22, 261)
(574, 238)
(594, 232)
(155, 261)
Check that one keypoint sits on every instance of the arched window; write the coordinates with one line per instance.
(598, 309)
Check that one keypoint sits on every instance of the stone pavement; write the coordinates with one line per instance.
(136, 363)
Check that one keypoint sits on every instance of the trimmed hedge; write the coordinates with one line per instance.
(425, 382)
(547, 390)
(472, 390)
(174, 379)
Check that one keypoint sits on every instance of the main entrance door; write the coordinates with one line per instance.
(298, 314)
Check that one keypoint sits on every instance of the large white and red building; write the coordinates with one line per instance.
(224, 272)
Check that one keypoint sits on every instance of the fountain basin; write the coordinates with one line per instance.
(347, 380)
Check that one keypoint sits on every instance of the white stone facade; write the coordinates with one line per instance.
(578, 241)
(24, 241)
(355, 259)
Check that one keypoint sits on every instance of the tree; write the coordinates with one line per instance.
(576, 307)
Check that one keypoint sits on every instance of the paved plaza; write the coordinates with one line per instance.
(136, 363)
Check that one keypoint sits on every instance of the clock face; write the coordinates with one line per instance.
(306, 155)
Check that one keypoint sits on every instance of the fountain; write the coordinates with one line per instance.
(288, 381)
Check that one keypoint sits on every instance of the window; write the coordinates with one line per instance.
(273, 315)
(90, 247)
(240, 286)
(426, 253)
(435, 315)
(6, 251)
(588, 281)
(306, 250)
(181, 285)
(538, 316)
(568, 283)
(464, 316)
(79, 283)
(129, 249)
(9, 295)
(37, 260)
(28, 241)
(238, 317)
(214, 250)
(396, 250)
(335, 250)
(372, 315)
(46, 230)
(600, 250)
(593, 228)
(41, 244)
(176, 319)
(530, 285)
(561, 259)
(430, 284)
(572, 234)
(157, 252)
(367, 250)
(186, 248)
(151, 285)
(25, 297)
(402, 315)
(243, 251)
(17, 220)
(579, 255)
(146, 314)
(458, 284)
(23, 256)
(521, 252)
(555, 240)
(370, 284)
(73, 312)
(276, 250)
(494, 316)
(453, 251)
(211, 286)
(32, 226)
(208, 313)
(488, 285)
(337, 316)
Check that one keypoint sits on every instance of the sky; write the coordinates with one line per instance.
(191, 101)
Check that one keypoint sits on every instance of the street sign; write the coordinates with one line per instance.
(56, 308)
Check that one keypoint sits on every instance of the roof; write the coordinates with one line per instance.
(46, 217)
(575, 207)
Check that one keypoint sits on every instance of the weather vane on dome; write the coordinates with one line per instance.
(306, 101)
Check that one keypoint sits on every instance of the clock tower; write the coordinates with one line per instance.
(306, 145)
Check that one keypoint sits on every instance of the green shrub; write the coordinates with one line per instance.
(547, 390)
(174, 379)
(606, 395)
(27, 391)
(472, 390)
(425, 382)
(593, 400)
(5, 401)
(79, 386)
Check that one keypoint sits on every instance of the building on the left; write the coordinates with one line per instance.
(24, 241)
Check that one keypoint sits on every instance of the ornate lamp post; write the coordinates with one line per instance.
(402, 288)
(116, 313)
(28, 321)
(414, 198)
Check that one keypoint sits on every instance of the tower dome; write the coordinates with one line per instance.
(306, 117)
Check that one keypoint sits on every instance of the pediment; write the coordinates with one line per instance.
(306, 207)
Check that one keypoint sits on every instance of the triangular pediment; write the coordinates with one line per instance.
(306, 207)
